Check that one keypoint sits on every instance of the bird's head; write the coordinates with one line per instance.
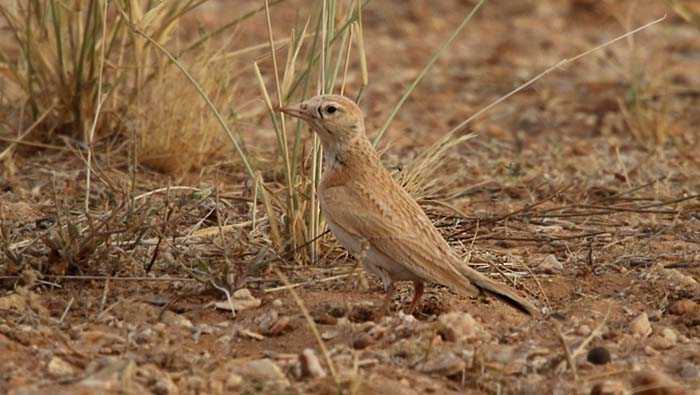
(336, 119)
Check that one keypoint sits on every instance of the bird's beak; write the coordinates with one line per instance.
(294, 110)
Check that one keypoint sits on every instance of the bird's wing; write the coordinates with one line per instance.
(393, 224)
(399, 229)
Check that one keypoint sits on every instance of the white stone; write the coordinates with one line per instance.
(640, 326)
(58, 368)
(310, 365)
(462, 326)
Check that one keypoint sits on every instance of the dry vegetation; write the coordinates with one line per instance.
(148, 188)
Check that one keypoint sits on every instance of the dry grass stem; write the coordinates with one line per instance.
(558, 65)
(567, 351)
(99, 101)
(8, 150)
(595, 333)
(323, 280)
(312, 326)
(409, 90)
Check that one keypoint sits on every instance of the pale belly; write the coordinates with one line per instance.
(377, 263)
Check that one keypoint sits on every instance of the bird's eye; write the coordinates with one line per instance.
(331, 109)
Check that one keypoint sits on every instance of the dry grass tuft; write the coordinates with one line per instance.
(54, 56)
(420, 178)
(175, 130)
(647, 109)
(650, 122)
(82, 67)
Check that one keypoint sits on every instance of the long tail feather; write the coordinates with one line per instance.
(500, 291)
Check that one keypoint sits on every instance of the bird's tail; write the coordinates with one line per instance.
(500, 291)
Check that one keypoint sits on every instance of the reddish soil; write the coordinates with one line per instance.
(557, 196)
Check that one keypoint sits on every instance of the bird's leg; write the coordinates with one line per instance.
(418, 288)
(389, 289)
(362, 257)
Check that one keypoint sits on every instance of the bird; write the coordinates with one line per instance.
(375, 218)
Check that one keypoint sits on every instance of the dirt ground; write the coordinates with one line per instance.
(582, 192)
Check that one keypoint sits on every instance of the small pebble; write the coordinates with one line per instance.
(444, 364)
(598, 356)
(344, 322)
(650, 351)
(58, 368)
(655, 315)
(683, 307)
(324, 318)
(377, 331)
(233, 381)
(640, 326)
(328, 335)
(266, 372)
(407, 318)
(278, 327)
(173, 319)
(670, 335)
(460, 326)
(550, 264)
(583, 330)
(310, 365)
(361, 313)
(660, 343)
(268, 319)
(243, 293)
(501, 354)
(337, 310)
(363, 341)
(680, 278)
(242, 299)
(364, 326)
(688, 371)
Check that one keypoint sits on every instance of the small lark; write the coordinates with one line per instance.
(373, 216)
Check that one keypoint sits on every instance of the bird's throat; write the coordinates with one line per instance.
(349, 162)
(332, 159)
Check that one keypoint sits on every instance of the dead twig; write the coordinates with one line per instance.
(65, 311)
(514, 213)
(7, 151)
(323, 280)
(569, 356)
(228, 296)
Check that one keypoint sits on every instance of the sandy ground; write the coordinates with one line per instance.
(557, 196)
